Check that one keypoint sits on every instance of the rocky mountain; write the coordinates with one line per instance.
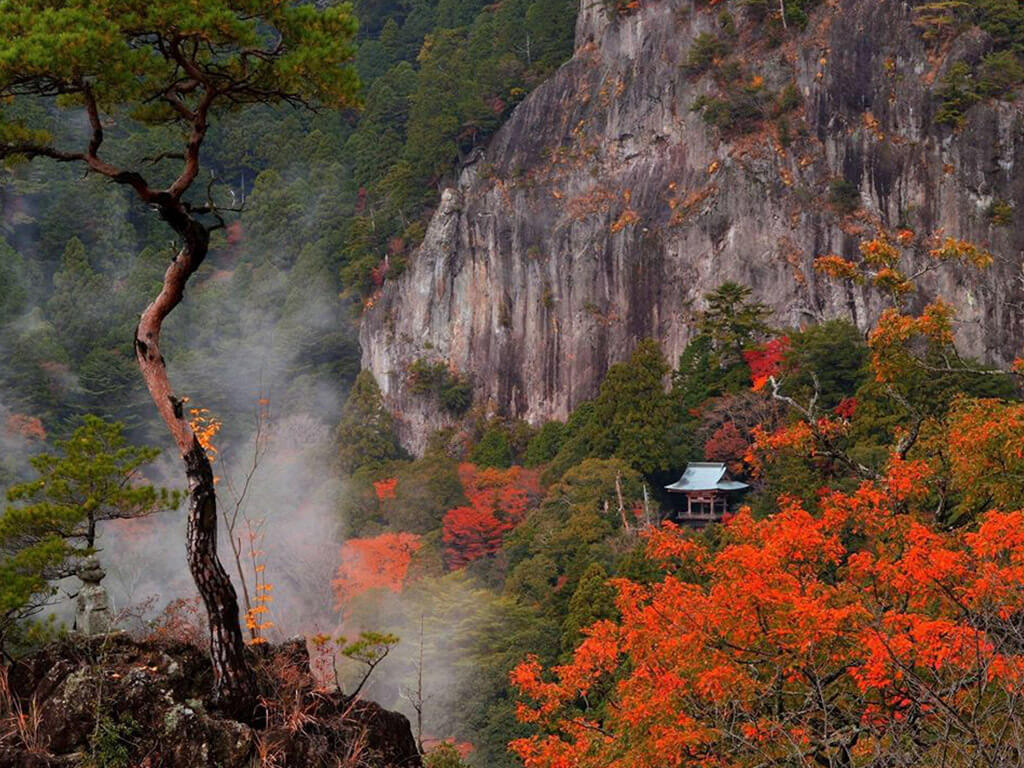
(632, 182)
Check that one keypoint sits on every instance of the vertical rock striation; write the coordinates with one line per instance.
(605, 207)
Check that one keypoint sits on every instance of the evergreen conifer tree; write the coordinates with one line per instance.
(366, 432)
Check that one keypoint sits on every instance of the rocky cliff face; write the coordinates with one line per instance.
(606, 207)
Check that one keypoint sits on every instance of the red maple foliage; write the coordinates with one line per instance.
(862, 634)
(727, 445)
(385, 489)
(380, 562)
(471, 533)
(497, 502)
(846, 408)
(766, 360)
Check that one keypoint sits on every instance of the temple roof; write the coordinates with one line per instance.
(705, 476)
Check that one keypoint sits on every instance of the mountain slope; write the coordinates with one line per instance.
(609, 203)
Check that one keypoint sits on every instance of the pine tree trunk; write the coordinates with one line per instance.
(234, 687)
(234, 684)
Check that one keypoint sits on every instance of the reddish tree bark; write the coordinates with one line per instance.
(234, 685)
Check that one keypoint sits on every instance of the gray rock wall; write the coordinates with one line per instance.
(605, 208)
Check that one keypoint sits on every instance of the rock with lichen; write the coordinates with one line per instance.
(115, 701)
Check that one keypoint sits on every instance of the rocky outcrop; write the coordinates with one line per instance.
(112, 701)
(605, 208)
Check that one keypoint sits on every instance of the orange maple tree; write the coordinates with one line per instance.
(884, 259)
(986, 452)
(380, 562)
(497, 502)
(861, 635)
(854, 630)
(28, 427)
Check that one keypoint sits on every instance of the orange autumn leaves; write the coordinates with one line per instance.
(206, 427)
(896, 332)
(380, 562)
(882, 256)
(986, 452)
(884, 265)
(27, 427)
(385, 489)
(851, 630)
(829, 638)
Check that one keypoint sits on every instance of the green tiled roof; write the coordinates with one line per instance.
(705, 476)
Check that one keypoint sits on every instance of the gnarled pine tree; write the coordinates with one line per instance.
(176, 63)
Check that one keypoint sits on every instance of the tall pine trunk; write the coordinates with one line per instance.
(234, 684)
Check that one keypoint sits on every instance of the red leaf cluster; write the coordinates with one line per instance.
(385, 489)
(727, 445)
(28, 427)
(497, 502)
(846, 408)
(766, 360)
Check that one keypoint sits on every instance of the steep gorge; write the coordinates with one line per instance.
(606, 207)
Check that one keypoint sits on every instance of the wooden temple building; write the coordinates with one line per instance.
(707, 488)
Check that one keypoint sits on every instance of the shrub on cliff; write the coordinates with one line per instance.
(453, 391)
(706, 49)
(958, 93)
